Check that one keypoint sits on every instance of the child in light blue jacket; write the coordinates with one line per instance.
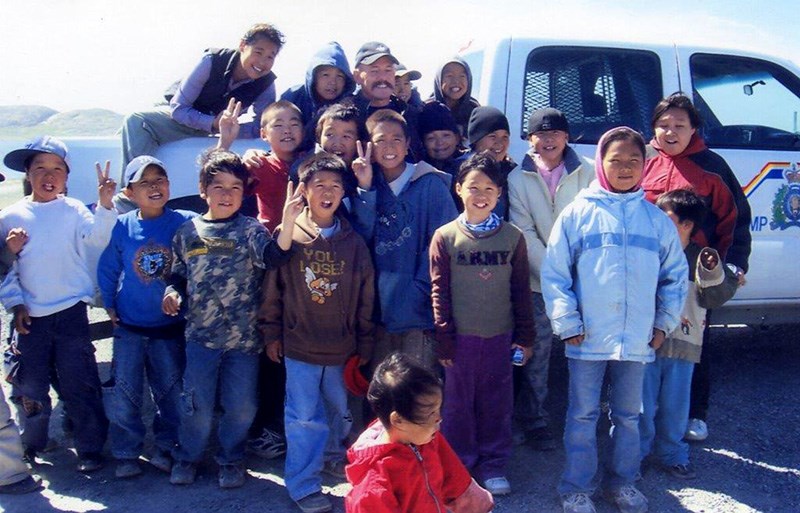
(614, 283)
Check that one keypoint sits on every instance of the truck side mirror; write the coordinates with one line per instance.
(748, 90)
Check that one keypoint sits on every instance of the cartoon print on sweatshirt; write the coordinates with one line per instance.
(320, 288)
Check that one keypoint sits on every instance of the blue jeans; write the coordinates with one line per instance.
(580, 433)
(163, 359)
(529, 408)
(665, 397)
(317, 421)
(234, 375)
(60, 342)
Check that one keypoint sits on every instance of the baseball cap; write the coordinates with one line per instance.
(135, 168)
(401, 71)
(545, 119)
(372, 51)
(45, 144)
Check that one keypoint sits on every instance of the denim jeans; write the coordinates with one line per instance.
(580, 433)
(163, 359)
(233, 375)
(532, 392)
(665, 413)
(60, 342)
(317, 421)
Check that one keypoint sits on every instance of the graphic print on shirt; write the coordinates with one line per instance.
(320, 288)
(394, 227)
(486, 259)
(152, 262)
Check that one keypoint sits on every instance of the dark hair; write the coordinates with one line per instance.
(386, 116)
(341, 112)
(484, 163)
(676, 100)
(622, 133)
(686, 204)
(322, 161)
(397, 385)
(220, 161)
(264, 31)
(280, 104)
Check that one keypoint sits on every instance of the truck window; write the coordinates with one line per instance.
(746, 102)
(596, 88)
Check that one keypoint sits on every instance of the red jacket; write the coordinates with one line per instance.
(727, 225)
(394, 477)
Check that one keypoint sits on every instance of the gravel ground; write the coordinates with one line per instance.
(751, 461)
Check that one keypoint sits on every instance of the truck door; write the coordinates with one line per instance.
(750, 105)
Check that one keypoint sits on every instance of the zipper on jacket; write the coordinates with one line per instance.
(425, 473)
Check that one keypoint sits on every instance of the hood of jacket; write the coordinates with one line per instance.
(437, 82)
(306, 231)
(331, 54)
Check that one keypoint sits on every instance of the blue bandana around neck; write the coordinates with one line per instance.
(487, 225)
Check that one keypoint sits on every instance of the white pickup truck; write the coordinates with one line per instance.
(749, 104)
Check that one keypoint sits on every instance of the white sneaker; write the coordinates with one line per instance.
(577, 503)
(696, 430)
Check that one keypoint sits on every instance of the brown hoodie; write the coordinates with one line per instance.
(319, 304)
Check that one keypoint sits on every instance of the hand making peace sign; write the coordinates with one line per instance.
(362, 166)
(106, 186)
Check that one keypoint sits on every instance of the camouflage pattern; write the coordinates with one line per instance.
(224, 264)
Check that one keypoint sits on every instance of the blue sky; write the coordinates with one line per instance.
(122, 55)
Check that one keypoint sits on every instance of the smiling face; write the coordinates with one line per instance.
(283, 131)
(426, 422)
(403, 87)
(674, 131)
(329, 82)
(377, 81)
(479, 194)
(549, 144)
(339, 137)
(390, 147)
(323, 193)
(47, 174)
(440, 144)
(454, 82)
(150, 193)
(496, 142)
(623, 163)
(223, 195)
(256, 59)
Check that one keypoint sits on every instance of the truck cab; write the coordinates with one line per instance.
(749, 104)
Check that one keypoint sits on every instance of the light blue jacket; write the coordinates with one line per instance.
(614, 270)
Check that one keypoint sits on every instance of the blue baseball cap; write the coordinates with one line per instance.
(16, 159)
(135, 168)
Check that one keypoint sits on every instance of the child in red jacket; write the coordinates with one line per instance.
(401, 463)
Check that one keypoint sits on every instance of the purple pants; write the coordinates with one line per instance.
(478, 401)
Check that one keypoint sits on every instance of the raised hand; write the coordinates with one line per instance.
(16, 238)
(253, 159)
(362, 166)
(228, 124)
(291, 209)
(106, 186)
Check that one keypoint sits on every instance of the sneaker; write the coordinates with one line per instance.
(497, 485)
(127, 468)
(577, 503)
(162, 461)
(89, 462)
(541, 439)
(682, 471)
(183, 473)
(314, 503)
(27, 485)
(29, 457)
(231, 476)
(270, 444)
(696, 430)
(334, 468)
(628, 499)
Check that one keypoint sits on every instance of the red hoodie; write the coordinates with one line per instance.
(390, 477)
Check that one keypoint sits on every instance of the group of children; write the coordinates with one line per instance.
(431, 274)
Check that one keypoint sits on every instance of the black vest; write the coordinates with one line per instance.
(214, 96)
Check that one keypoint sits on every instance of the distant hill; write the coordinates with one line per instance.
(26, 121)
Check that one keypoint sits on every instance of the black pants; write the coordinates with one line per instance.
(271, 396)
(701, 378)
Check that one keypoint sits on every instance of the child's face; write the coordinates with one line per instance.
(389, 145)
(223, 195)
(428, 418)
(324, 193)
(684, 227)
(549, 144)
(283, 131)
(454, 81)
(622, 164)
(151, 192)
(258, 58)
(47, 174)
(339, 137)
(377, 79)
(329, 82)
(496, 142)
(440, 144)
(479, 194)
(674, 131)
(403, 87)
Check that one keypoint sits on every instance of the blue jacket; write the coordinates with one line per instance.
(398, 230)
(614, 270)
